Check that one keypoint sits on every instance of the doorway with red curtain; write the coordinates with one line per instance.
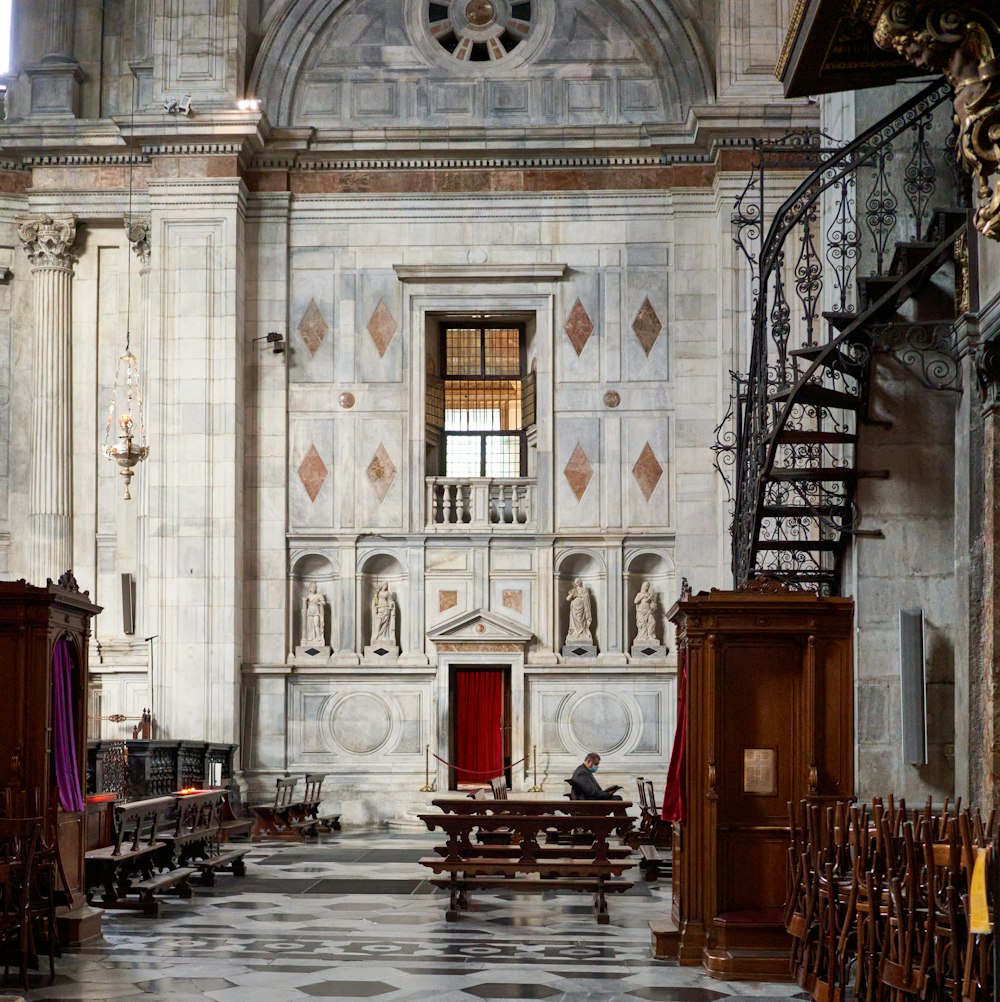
(480, 724)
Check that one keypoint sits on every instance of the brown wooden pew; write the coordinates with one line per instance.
(133, 854)
(311, 820)
(195, 840)
(524, 864)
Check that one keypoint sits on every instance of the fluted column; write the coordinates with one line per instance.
(137, 230)
(48, 244)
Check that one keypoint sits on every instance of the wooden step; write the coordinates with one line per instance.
(817, 395)
(804, 511)
(817, 474)
(871, 289)
(797, 436)
(819, 545)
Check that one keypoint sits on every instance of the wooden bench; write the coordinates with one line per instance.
(235, 823)
(197, 835)
(134, 852)
(523, 864)
(311, 821)
(276, 820)
(653, 835)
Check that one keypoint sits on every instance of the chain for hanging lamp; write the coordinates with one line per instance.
(125, 411)
(126, 405)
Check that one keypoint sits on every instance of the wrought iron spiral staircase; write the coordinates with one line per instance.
(818, 323)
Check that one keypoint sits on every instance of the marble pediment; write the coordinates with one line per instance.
(480, 627)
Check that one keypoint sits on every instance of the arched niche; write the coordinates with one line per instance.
(375, 571)
(310, 569)
(589, 567)
(325, 63)
(658, 570)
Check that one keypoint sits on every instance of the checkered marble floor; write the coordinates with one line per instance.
(353, 917)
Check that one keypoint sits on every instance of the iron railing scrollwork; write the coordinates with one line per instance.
(822, 274)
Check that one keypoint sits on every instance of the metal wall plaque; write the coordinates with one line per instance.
(760, 771)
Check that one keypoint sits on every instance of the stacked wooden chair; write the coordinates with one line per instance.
(879, 902)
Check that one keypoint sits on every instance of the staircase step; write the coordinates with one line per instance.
(816, 474)
(908, 255)
(841, 319)
(871, 288)
(819, 545)
(814, 393)
(946, 221)
(804, 511)
(795, 436)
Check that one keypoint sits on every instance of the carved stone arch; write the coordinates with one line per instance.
(659, 30)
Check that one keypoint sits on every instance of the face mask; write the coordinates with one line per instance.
(594, 768)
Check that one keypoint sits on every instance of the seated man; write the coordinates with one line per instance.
(585, 787)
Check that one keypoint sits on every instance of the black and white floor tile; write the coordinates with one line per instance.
(353, 917)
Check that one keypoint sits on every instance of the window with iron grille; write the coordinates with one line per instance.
(481, 400)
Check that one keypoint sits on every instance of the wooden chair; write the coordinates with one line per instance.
(20, 843)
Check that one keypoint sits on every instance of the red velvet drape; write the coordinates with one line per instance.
(478, 729)
(674, 799)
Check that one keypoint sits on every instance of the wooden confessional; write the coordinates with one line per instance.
(33, 621)
(770, 719)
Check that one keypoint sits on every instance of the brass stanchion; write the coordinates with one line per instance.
(534, 761)
(427, 788)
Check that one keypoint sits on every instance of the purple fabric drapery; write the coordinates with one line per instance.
(63, 732)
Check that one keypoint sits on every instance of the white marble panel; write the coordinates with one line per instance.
(387, 512)
(379, 301)
(312, 448)
(628, 720)
(584, 512)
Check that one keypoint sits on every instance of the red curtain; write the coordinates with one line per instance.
(479, 725)
(674, 799)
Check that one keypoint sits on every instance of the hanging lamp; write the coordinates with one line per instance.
(125, 411)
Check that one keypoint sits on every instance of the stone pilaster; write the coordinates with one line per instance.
(48, 244)
(55, 80)
(988, 375)
(137, 230)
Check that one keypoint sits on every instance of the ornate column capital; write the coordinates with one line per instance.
(137, 230)
(48, 241)
(987, 360)
(962, 41)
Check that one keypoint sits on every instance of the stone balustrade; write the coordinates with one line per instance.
(480, 504)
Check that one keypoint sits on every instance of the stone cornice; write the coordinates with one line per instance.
(480, 272)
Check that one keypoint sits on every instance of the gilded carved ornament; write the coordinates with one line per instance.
(960, 41)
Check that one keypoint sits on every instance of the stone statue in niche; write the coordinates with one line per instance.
(646, 644)
(313, 643)
(645, 615)
(383, 646)
(580, 615)
(383, 616)
(313, 616)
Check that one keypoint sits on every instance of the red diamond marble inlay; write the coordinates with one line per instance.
(381, 472)
(647, 471)
(578, 327)
(382, 328)
(313, 472)
(447, 600)
(647, 325)
(313, 327)
(579, 472)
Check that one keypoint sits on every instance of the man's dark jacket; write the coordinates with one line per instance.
(586, 787)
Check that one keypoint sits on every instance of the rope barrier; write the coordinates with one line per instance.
(477, 772)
